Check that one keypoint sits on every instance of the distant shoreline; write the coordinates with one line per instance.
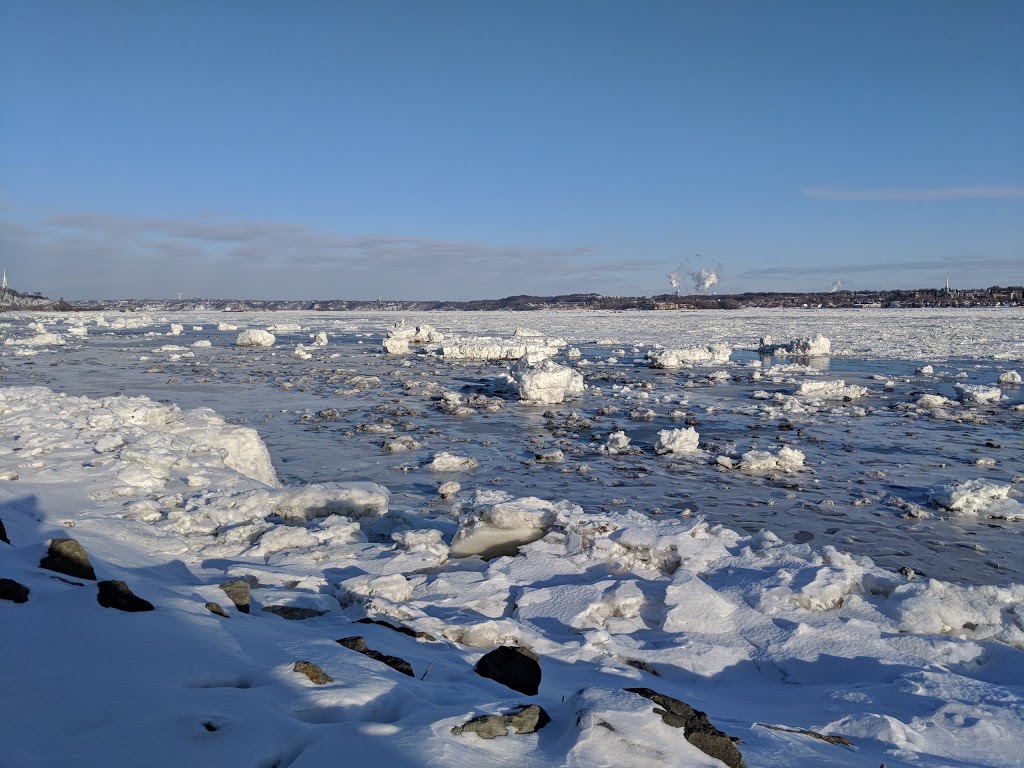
(924, 298)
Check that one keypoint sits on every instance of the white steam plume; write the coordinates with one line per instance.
(673, 279)
(701, 276)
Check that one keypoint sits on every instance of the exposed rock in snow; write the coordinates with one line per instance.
(714, 354)
(677, 441)
(117, 595)
(237, 591)
(514, 667)
(697, 728)
(255, 337)
(357, 643)
(315, 673)
(67, 556)
(525, 719)
(14, 591)
(546, 381)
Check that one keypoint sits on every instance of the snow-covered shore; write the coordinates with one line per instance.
(639, 569)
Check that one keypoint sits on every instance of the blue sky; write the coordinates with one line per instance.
(483, 149)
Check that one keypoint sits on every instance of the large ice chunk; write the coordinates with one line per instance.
(546, 381)
(713, 354)
(255, 338)
(978, 497)
(494, 524)
(677, 441)
(811, 346)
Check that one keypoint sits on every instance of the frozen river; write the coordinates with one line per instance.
(872, 463)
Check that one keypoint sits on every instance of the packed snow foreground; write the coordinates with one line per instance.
(209, 615)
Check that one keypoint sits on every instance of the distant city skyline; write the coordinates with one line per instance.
(458, 150)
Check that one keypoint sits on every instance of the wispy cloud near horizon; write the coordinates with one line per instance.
(1010, 192)
(100, 255)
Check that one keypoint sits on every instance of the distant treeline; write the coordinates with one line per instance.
(926, 297)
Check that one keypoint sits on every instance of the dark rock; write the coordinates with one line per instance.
(292, 612)
(828, 738)
(697, 729)
(399, 628)
(238, 593)
(208, 725)
(641, 665)
(527, 718)
(13, 591)
(397, 663)
(115, 594)
(3, 533)
(517, 668)
(315, 674)
(216, 608)
(67, 556)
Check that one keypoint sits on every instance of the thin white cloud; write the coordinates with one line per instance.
(912, 195)
(228, 257)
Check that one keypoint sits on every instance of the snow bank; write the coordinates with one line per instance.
(255, 338)
(149, 443)
(714, 354)
(546, 381)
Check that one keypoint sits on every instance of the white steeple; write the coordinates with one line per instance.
(4, 286)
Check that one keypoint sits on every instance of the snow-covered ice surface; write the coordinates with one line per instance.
(871, 589)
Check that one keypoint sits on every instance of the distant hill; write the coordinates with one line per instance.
(12, 299)
(928, 297)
